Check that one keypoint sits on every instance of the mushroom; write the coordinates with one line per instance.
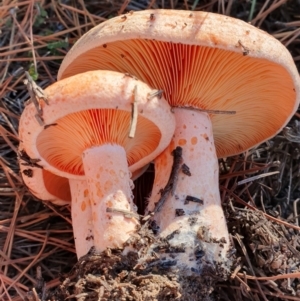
(202, 61)
(89, 143)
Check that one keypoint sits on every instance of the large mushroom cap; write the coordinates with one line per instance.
(93, 109)
(203, 60)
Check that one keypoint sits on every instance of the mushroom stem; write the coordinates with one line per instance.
(108, 180)
(81, 217)
(201, 225)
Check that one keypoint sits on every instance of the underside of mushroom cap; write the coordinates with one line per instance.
(42, 183)
(204, 60)
(94, 109)
(48, 186)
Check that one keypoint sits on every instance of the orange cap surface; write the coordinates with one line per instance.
(204, 60)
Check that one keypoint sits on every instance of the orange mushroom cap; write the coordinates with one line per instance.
(200, 59)
(93, 109)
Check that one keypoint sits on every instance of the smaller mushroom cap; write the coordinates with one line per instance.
(92, 109)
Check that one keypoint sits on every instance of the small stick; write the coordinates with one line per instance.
(130, 75)
(134, 115)
(12, 12)
(155, 93)
(31, 164)
(36, 297)
(36, 93)
(28, 161)
(257, 177)
(186, 170)
(49, 125)
(171, 185)
(177, 153)
(126, 213)
(292, 133)
(39, 119)
(190, 198)
(290, 183)
(206, 111)
(147, 217)
(123, 7)
(295, 211)
(245, 49)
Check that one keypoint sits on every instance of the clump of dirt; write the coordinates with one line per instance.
(116, 275)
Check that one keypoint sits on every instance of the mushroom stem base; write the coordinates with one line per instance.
(191, 220)
(109, 197)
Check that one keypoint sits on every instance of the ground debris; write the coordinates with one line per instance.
(171, 185)
(113, 276)
(269, 249)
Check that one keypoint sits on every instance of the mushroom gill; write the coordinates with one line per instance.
(59, 148)
(208, 78)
